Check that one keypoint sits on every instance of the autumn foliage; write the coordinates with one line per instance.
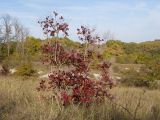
(76, 84)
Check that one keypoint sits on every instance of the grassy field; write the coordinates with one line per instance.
(19, 100)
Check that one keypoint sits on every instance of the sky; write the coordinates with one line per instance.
(127, 20)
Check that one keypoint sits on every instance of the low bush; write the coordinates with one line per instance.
(4, 70)
(138, 79)
(26, 70)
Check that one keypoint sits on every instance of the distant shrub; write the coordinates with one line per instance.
(13, 60)
(138, 79)
(4, 69)
(26, 70)
(126, 59)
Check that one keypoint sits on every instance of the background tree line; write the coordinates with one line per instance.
(18, 47)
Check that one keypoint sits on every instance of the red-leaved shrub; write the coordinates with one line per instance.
(74, 86)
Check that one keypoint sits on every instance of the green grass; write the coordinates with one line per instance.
(19, 100)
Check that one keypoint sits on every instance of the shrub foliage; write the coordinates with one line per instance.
(73, 86)
(25, 70)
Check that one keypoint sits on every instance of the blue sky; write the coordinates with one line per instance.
(128, 20)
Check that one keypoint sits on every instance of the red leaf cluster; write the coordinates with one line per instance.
(53, 25)
(75, 86)
(86, 35)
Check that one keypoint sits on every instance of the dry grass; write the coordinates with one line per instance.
(19, 101)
